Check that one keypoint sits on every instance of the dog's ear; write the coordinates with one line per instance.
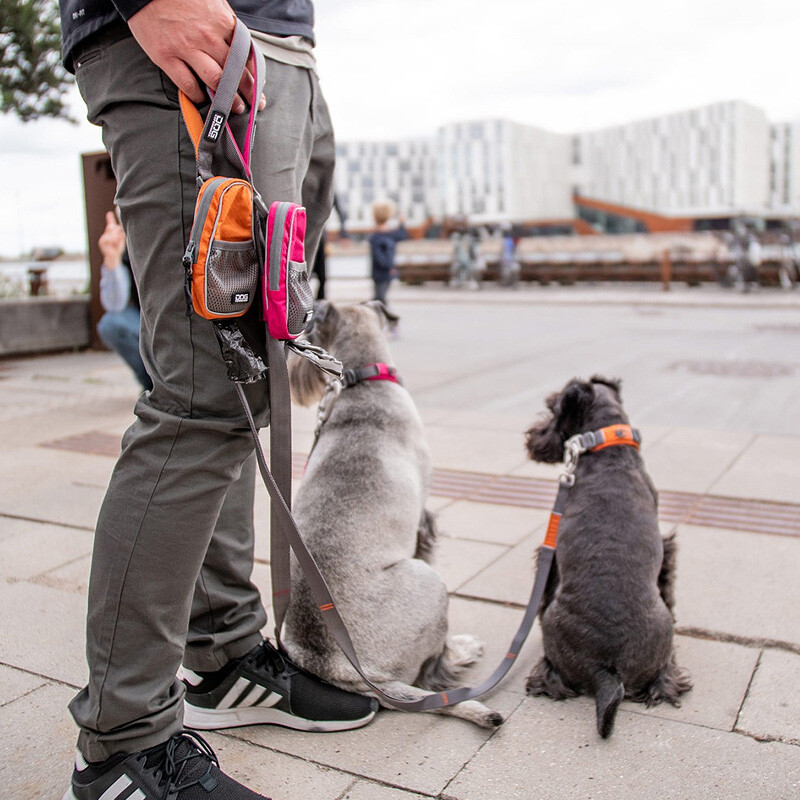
(615, 384)
(575, 401)
(324, 321)
(386, 317)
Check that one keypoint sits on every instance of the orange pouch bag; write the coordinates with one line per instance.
(221, 260)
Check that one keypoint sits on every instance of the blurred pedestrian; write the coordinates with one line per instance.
(119, 326)
(382, 245)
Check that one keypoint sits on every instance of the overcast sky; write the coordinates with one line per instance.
(399, 68)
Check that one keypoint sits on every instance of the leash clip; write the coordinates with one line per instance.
(573, 448)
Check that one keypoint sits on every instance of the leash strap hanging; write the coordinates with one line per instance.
(284, 534)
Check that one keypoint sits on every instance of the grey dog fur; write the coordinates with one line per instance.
(361, 510)
(606, 616)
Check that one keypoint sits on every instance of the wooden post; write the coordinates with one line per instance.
(666, 270)
(99, 187)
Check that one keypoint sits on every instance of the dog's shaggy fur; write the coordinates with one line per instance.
(606, 615)
(361, 510)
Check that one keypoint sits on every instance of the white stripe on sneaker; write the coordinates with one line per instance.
(138, 795)
(116, 788)
(234, 692)
(80, 761)
(261, 699)
(192, 678)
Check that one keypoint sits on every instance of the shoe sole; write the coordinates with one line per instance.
(210, 719)
(70, 795)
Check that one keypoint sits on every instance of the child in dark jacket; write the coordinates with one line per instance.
(382, 247)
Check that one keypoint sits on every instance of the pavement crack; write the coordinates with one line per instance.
(745, 641)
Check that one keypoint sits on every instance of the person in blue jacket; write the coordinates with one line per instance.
(382, 245)
(173, 636)
(119, 326)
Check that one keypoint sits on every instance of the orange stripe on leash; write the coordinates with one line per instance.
(552, 530)
(326, 607)
(444, 697)
(511, 655)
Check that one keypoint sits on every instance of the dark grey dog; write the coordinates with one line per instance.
(606, 614)
(361, 510)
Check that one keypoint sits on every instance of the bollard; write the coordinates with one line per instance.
(666, 270)
(37, 277)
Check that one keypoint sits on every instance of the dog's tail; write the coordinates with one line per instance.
(608, 693)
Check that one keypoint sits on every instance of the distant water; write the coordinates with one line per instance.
(72, 277)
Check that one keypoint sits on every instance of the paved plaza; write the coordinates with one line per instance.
(711, 377)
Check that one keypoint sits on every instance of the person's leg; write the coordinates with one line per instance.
(185, 449)
(264, 687)
(119, 331)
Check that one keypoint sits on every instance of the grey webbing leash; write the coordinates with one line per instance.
(284, 534)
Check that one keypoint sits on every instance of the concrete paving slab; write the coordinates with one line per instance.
(420, 752)
(495, 625)
(540, 753)
(364, 790)
(37, 764)
(53, 485)
(72, 577)
(508, 579)
(476, 451)
(772, 708)
(274, 774)
(15, 683)
(38, 548)
(721, 673)
(690, 460)
(514, 423)
(47, 635)
(459, 560)
(768, 469)
(485, 522)
(738, 584)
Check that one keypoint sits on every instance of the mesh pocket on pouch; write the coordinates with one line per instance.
(231, 276)
(300, 299)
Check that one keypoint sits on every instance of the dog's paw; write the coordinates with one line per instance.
(495, 719)
(545, 680)
(463, 650)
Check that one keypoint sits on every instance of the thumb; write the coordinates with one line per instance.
(111, 220)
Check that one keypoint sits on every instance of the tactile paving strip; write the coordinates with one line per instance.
(755, 516)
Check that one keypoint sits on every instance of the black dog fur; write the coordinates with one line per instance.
(606, 615)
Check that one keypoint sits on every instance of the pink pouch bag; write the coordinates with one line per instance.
(288, 302)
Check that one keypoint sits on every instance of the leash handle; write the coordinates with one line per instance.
(215, 132)
(285, 534)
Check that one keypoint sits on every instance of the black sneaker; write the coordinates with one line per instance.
(184, 768)
(265, 688)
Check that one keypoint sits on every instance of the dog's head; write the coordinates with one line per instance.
(352, 333)
(580, 406)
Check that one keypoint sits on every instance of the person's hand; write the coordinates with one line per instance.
(190, 39)
(112, 242)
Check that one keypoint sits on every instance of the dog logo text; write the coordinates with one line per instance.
(214, 128)
(241, 297)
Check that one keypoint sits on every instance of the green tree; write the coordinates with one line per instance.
(32, 80)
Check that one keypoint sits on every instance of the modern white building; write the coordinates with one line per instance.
(401, 171)
(494, 170)
(721, 159)
(714, 158)
(784, 176)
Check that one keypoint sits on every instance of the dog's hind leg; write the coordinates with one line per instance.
(546, 680)
(441, 672)
(426, 537)
(470, 710)
(666, 576)
(670, 683)
(608, 694)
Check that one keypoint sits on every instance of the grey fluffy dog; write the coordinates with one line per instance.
(606, 614)
(361, 511)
